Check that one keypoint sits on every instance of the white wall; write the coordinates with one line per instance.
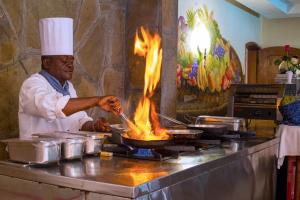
(236, 25)
(279, 32)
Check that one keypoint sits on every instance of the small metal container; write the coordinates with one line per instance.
(92, 145)
(233, 123)
(93, 141)
(72, 146)
(117, 131)
(34, 150)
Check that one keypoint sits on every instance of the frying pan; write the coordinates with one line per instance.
(175, 135)
(119, 138)
(215, 129)
(212, 129)
(145, 143)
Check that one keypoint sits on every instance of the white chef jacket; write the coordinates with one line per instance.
(40, 108)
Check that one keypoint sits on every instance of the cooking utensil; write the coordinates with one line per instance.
(118, 138)
(146, 143)
(125, 118)
(171, 119)
(117, 127)
(185, 134)
(93, 141)
(117, 131)
(34, 150)
(216, 129)
(92, 145)
(96, 135)
(174, 134)
(72, 146)
(233, 123)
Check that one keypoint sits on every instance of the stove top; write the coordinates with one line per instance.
(159, 153)
(178, 146)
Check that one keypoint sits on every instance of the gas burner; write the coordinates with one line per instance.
(149, 154)
(141, 153)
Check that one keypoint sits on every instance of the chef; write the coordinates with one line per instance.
(48, 101)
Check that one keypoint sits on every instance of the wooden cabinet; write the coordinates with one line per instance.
(260, 65)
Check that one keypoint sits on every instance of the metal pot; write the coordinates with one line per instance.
(72, 146)
(93, 140)
(34, 150)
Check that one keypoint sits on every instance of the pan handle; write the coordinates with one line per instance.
(171, 119)
(189, 119)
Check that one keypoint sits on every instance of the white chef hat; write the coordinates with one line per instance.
(56, 36)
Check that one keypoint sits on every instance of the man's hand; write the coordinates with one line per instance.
(100, 125)
(110, 104)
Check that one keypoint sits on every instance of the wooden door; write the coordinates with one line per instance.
(266, 69)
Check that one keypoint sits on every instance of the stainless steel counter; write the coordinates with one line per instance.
(131, 178)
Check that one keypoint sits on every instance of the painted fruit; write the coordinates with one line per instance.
(211, 82)
(202, 81)
(228, 73)
(225, 82)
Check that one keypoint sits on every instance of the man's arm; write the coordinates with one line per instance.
(78, 104)
(106, 103)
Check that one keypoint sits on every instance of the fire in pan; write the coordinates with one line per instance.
(184, 134)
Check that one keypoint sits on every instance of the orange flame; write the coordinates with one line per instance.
(149, 48)
(144, 127)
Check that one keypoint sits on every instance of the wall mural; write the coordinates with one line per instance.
(207, 65)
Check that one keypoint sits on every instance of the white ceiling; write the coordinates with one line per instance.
(274, 8)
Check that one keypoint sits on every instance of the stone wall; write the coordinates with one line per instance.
(169, 9)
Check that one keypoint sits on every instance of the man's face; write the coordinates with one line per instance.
(61, 67)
